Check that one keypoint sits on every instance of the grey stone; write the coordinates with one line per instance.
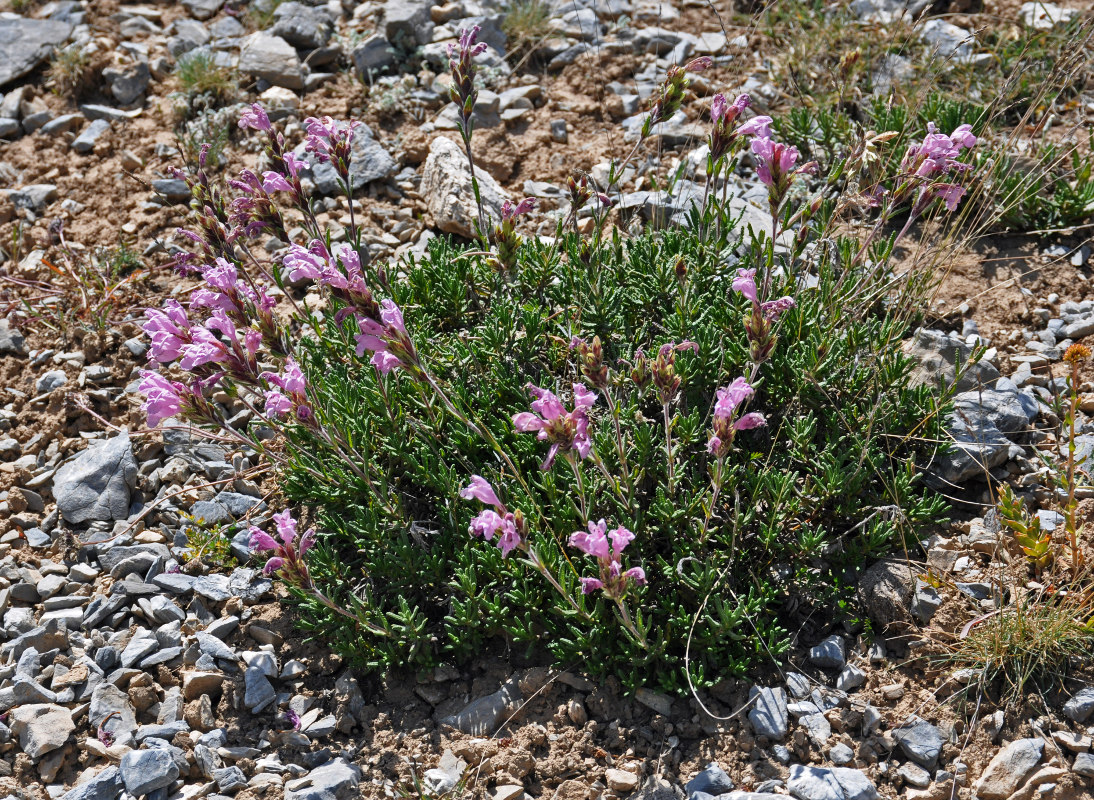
(101, 113)
(829, 654)
(144, 771)
(85, 142)
(1009, 768)
(976, 447)
(272, 59)
(947, 40)
(940, 354)
(214, 647)
(258, 691)
(886, 590)
(104, 785)
(813, 783)
(41, 727)
(850, 678)
(112, 709)
(210, 513)
(335, 780)
(62, 124)
(1003, 409)
(138, 649)
(408, 22)
(54, 379)
(1084, 765)
(768, 714)
(925, 602)
(96, 485)
(10, 128)
(713, 780)
(841, 754)
(817, 727)
(921, 742)
(230, 779)
(202, 9)
(302, 26)
(1081, 706)
(1045, 16)
(174, 190)
(239, 505)
(26, 43)
(35, 196)
(12, 342)
(482, 716)
(374, 54)
(855, 784)
(446, 186)
(128, 83)
(189, 35)
(914, 775)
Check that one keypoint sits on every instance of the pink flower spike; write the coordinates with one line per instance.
(307, 541)
(590, 585)
(273, 565)
(636, 574)
(286, 526)
(275, 182)
(718, 107)
(527, 422)
(750, 421)
(583, 398)
(745, 283)
(950, 194)
(594, 543)
(485, 524)
(699, 64)
(256, 119)
(277, 404)
(481, 490)
(730, 397)
(757, 126)
(262, 541)
(294, 164)
(385, 361)
(392, 316)
(714, 444)
(621, 537)
(509, 539)
(963, 137)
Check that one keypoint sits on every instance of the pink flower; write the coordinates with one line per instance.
(489, 522)
(275, 182)
(950, 194)
(256, 118)
(163, 397)
(773, 309)
(168, 331)
(286, 526)
(288, 550)
(699, 64)
(607, 548)
(221, 275)
(776, 160)
(757, 126)
(277, 404)
(594, 543)
(963, 137)
(479, 489)
(565, 430)
(510, 211)
(294, 165)
(750, 421)
(745, 283)
(262, 541)
(730, 397)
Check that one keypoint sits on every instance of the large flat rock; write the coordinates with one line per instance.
(26, 43)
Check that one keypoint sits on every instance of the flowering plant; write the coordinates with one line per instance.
(678, 383)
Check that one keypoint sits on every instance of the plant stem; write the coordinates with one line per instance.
(668, 449)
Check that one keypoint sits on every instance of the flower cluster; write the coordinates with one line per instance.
(505, 239)
(928, 165)
(776, 160)
(726, 422)
(461, 61)
(331, 141)
(591, 361)
(607, 547)
(497, 521)
(669, 96)
(723, 131)
(287, 551)
(567, 431)
(760, 323)
(662, 369)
